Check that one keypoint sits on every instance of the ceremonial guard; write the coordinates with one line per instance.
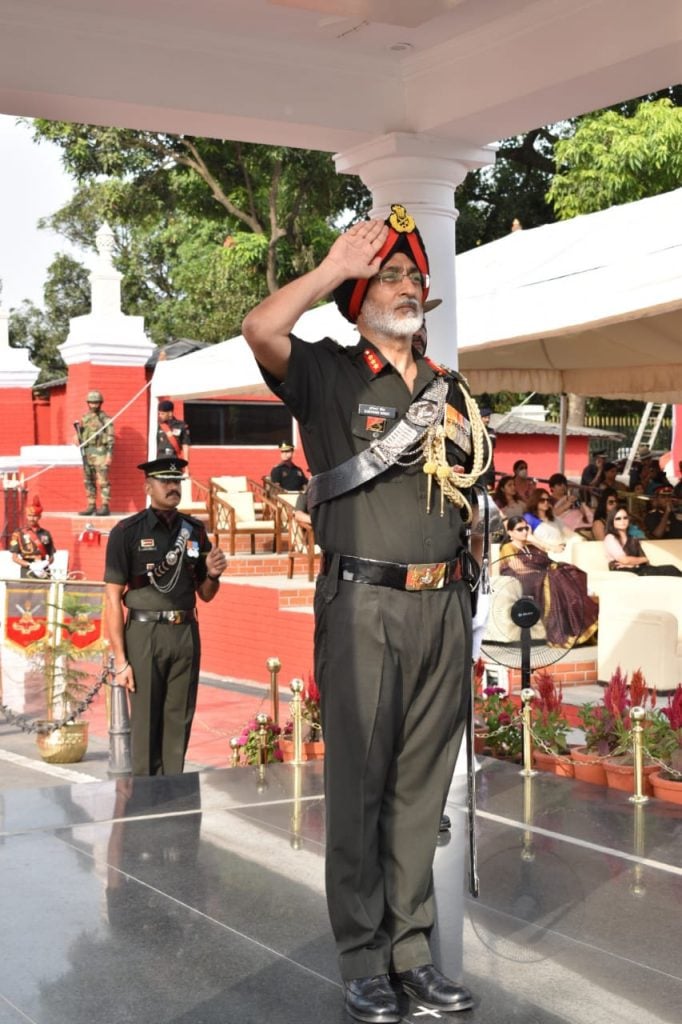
(32, 547)
(287, 474)
(95, 436)
(172, 436)
(157, 562)
(394, 442)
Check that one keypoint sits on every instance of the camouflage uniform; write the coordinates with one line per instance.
(96, 453)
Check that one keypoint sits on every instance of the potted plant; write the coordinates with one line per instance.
(550, 726)
(615, 727)
(667, 782)
(259, 741)
(67, 662)
(496, 714)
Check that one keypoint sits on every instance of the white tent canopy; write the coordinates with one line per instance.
(591, 306)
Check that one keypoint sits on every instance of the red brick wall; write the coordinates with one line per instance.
(18, 426)
(541, 451)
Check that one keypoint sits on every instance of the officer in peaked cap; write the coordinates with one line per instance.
(157, 562)
(287, 474)
(95, 437)
(394, 443)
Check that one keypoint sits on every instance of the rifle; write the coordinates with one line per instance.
(79, 434)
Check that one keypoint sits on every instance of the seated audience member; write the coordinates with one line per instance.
(607, 501)
(569, 614)
(506, 498)
(592, 475)
(522, 482)
(661, 521)
(608, 479)
(287, 474)
(625, 553)
(574, 514)
(548, 531)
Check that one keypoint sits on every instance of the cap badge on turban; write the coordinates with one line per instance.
(403, 236)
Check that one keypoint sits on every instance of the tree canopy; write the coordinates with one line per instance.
(614, 158)
(204, 228)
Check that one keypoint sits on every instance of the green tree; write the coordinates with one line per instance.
(204, 228)
(615, 157)
(66, 294)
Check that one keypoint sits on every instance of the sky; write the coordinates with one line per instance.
(32, 185)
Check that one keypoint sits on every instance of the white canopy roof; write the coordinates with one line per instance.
(591, 306)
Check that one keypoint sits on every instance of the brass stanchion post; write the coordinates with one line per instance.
(297, 687)
(296, 813)
(527, 695)
(638, 796)
(120, 762)
(273, 666)
(261, 721)
(234, 748)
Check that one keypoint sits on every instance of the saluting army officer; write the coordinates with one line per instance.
(95, 435)
(394, 442)
(157, 562)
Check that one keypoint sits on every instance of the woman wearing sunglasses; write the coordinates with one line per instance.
(568, 613)
(625, 553)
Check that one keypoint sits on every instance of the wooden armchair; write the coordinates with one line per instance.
(234, 514)
(194, 497)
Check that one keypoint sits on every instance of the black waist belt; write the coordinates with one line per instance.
(175, 618)
(398, 575)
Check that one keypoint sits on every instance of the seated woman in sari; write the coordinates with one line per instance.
(625, 553)
(568, 613)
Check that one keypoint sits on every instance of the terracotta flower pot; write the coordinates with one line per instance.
(665, 788)
(311, 750)
(555, 763)
(622, 776)
(586, 767)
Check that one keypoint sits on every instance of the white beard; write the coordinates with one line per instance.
(390, 323)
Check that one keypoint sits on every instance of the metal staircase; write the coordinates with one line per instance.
(647, 431)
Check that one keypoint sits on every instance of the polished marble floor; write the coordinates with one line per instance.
(199, 900)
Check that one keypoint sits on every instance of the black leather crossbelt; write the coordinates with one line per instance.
(398, 575)
(175, 618)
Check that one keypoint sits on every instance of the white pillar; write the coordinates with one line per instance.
(421, 172)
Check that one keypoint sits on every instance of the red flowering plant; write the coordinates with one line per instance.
(550, 726)
(496, 713)
(259, 741)
(608, 725)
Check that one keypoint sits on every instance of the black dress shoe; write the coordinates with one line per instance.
(89, 511)
(433, 989)
(444, 823)
(372, 1000)
(103, 511)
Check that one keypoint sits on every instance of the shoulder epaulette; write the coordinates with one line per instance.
(192, 520)
(125, 524)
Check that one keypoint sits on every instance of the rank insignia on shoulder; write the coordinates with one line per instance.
(372, 360)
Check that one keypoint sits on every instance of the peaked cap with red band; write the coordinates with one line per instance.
(34, 508)
(403, 236)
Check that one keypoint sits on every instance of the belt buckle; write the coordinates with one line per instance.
(425, 576)
(174, 617)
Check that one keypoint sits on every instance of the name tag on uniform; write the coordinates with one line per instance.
(458, 428)
(384, 412)
(147, 543)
